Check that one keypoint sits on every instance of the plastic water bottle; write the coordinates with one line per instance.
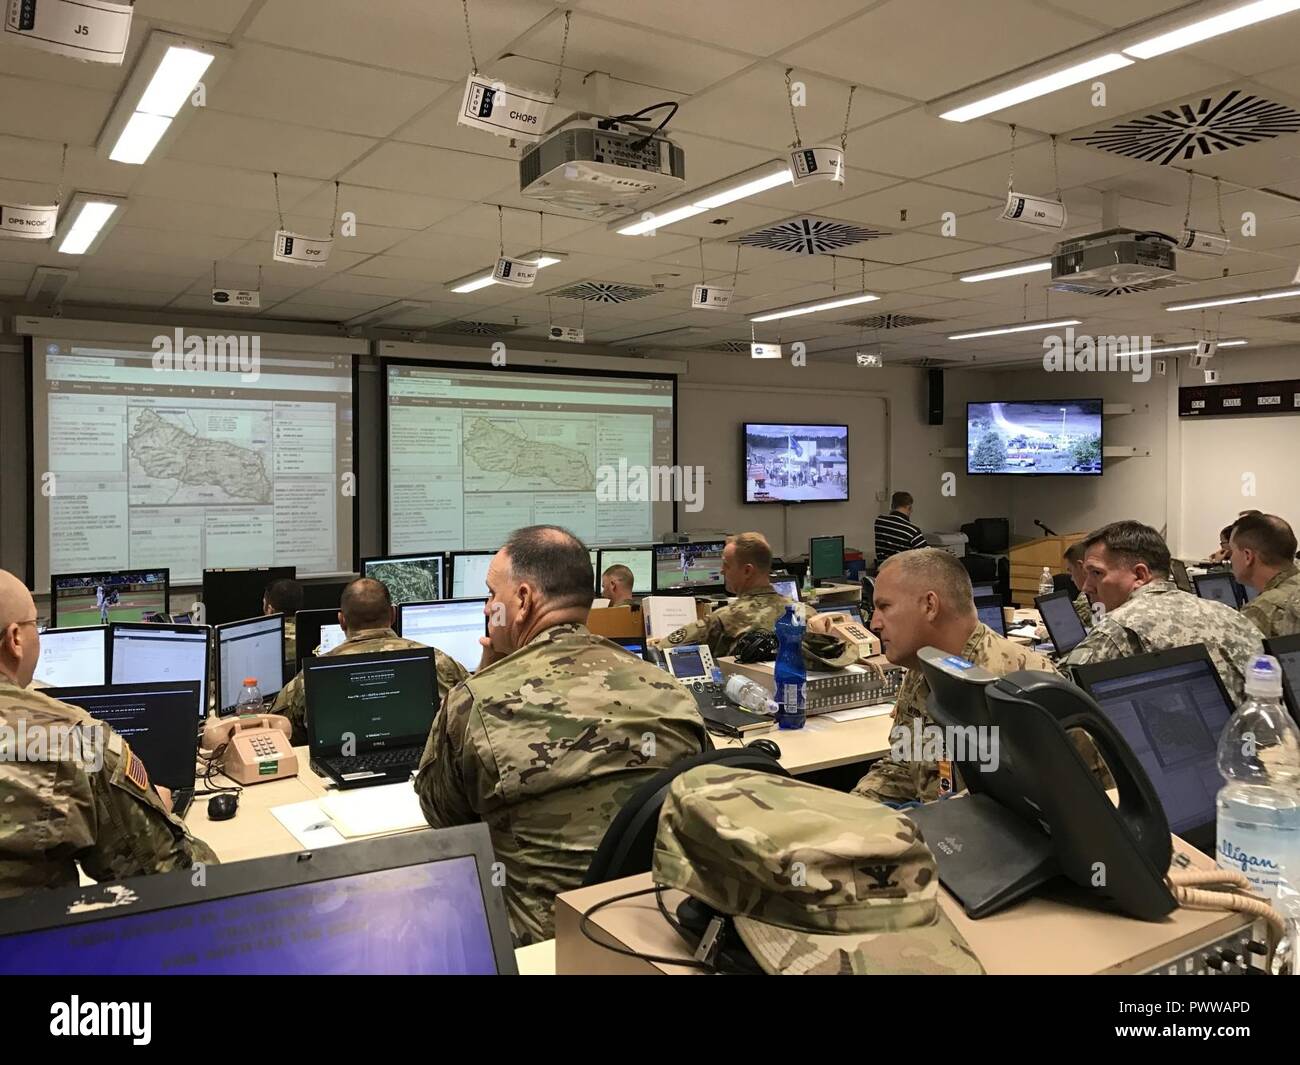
(1259, 805)
(791, 677)
(751, 695)
(250, 699)
(1045, 584)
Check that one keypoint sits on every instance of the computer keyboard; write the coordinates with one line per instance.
(376, 761)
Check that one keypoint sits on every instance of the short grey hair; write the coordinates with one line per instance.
(555, 562)
(933, 569)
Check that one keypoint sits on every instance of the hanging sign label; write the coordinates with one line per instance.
(1034, 211)
(765, 351)
(518, 273)
(495, 107)
(303, 251)
(236, 297)
(28, 221)
(711, 298)
(568, 333)
(816, 164)
(92, 30)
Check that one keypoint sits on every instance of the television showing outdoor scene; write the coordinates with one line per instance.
(796, 463)
(1040, 437)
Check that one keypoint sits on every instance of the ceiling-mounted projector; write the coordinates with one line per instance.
(601, 167)
(1114, 257)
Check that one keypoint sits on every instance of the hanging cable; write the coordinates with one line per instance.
(334, 218)
(1187, 215)
(1056, 170)
(469, 40)
(735, 274)
(844, 135)
(1011, 173)
(833, 285)
(703, 279)
(541, 235)
(1218, 198)
(63, 169)
(275, 177)
(501, 232)
(789, 92)
(564, 47)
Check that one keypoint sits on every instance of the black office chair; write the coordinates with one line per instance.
(628, 845)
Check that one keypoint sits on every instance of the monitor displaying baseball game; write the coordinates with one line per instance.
(1059, 436)
(796, 463)
(686, 566)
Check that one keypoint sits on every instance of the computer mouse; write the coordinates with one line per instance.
(223, 807)
(766, 746)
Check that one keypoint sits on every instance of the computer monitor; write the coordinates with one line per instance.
(984, 588)
(594, 555)
(826, 558)
(323, 595)
(1063, 624)
(317, 629)
(252, 648)
(453, 626)
(232, 594)
(855, 612)
(989, 608)
(157, 720)
(632, 644)
(408, 578)
(416, 903)
(689, 567)
(640, 560)
(1217, 587)
(786, 586)
(73, 658)
(469, 574)
(78, 599)
(1286, 649)
(1171, 707)
(381, 701)
(149, 654)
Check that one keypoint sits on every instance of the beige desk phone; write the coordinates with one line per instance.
(258, 747)
(843, 627)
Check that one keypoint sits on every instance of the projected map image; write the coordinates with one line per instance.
(529, 454)
(173, 462)
(1062, 436)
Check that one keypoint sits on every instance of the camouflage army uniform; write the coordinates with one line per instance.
(865, 899)
(291, 639)
(916, 781)
(61, 811)
(1276, 610)
(1158, 617)
(758, 608)
(1083, 608)
(292, 700)
(545, 746)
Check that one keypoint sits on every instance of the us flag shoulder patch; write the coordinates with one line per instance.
(135, 771)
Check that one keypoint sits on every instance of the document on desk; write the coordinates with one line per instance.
(665, 613)
(857, 713)
(307, 823)
(375, 811)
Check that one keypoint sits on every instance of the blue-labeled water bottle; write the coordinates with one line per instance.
(791, 677)
(1259, 804)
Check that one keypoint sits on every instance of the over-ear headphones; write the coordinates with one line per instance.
(757, 645)
(767, 746)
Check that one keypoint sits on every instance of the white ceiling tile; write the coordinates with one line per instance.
(219, 15)
(215, 137)
(1264, 46)
(180, 218)
(377, 207)
(219, 185)
(1116, 13)
(52, 111)
(437, 171)
(925, 206)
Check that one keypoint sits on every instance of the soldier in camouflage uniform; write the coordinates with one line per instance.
(546, 742)
(924, 599)
(88, 802)
(284, 596)
(367, 615)
(816, 882)
(747, 573)
(1263, 557)
(1074, 560)
(1127, 567)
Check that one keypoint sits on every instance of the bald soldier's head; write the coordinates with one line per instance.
(541, 578)
(923, 599)
(20, 643)
(366, 604)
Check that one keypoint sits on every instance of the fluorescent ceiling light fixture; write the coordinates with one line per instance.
(482, 278)
(769, 175)
(89, 219)
(1024, 327)
(1030, 90)
(1006, 271)
(155, 97)
(1241, 297)
(1169, 349)
(813, 308)
(1234, 19)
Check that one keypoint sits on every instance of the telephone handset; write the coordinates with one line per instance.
(257, 747)
(843, 627)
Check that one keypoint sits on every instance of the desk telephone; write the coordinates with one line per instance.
(258, 747)
(694, 667)
(844, 628)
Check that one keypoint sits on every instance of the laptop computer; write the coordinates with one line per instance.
(1220, 587)
(1286, 649)
(1178, 571)
(989, 608)
(369, 715)
(418, 903)
(1171, 707)
(1062, 623)
(786, 586)
(157, 720)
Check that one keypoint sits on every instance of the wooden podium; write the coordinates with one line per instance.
(1028, 559)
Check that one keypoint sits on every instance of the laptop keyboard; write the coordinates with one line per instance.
(376, 761)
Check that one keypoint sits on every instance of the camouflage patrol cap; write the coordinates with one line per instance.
(817, 881)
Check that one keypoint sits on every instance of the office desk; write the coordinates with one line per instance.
(1041, 936)
(824, 744)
